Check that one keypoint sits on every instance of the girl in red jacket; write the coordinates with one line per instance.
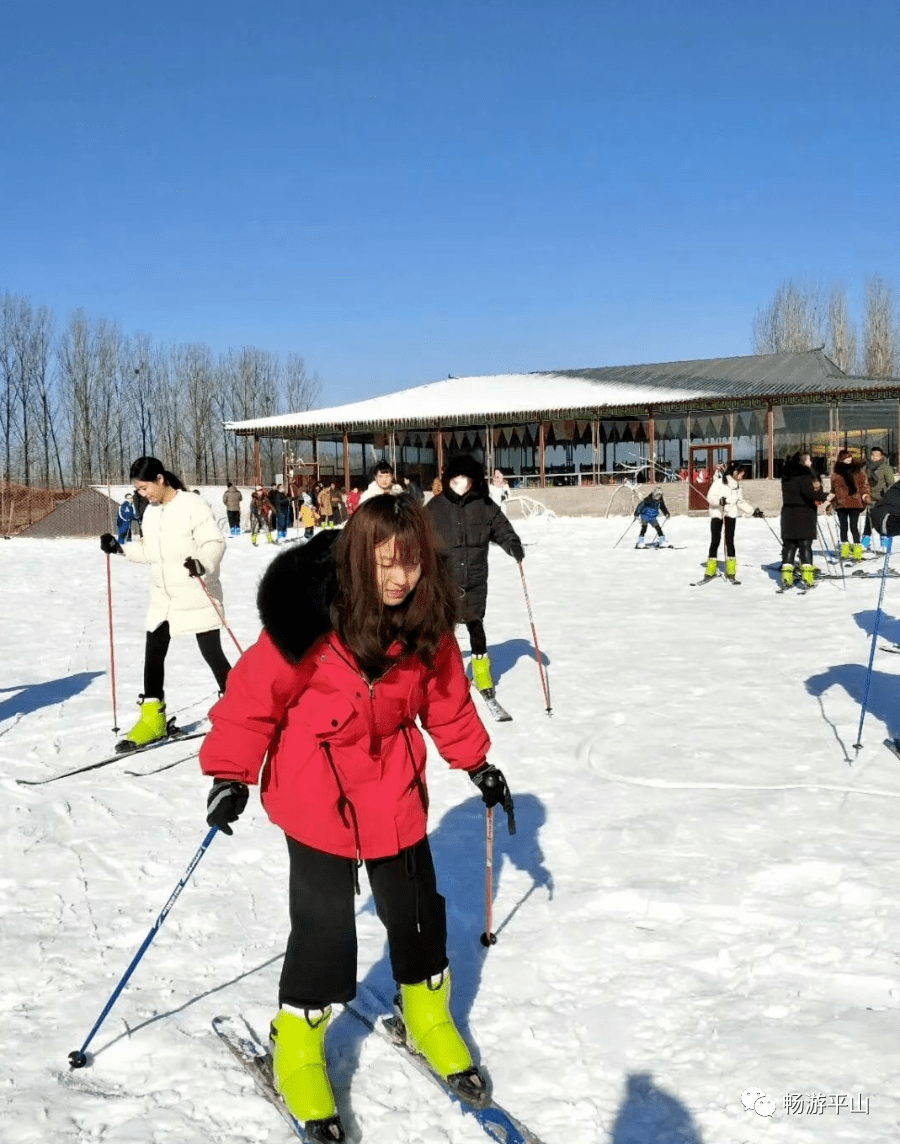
(357, 644)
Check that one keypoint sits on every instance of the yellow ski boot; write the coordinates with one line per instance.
(424, 1010)
(150, 726)
(787, 575)
(808, 575)
(297, 1038)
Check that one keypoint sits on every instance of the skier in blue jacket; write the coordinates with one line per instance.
(124, 517)
(647, 512)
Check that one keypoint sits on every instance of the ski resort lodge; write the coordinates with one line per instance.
(572, 439)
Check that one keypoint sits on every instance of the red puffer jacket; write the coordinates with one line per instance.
(346, 761)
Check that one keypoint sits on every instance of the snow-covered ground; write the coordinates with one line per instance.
(702, 899)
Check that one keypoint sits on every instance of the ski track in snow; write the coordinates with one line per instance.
(703, 896)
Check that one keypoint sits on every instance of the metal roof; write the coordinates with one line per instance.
(607, 391)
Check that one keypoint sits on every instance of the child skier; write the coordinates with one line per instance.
(647, 512)
(466, 520)
(357, 645)
(124, 518)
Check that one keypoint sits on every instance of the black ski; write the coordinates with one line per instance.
(495, 1121)
(256, 1060)
(176, 735)
(705, 580)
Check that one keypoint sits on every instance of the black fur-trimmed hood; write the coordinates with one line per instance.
(295, 595)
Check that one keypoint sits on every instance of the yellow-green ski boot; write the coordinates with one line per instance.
(150, 726)
(845, 550)
(731, 570)
(787, 575)
(712, 567)
(424, 1010)
(481, 674)
(857, 552)
(808, 575)
(297, 1038)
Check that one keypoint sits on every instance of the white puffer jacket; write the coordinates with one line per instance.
(172, 532)
(735, 504)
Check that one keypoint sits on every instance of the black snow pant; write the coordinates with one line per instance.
(655, 524)
(234, 517)
(792, 549)
(849, 517)
(477, 638)
(320, 960)
(210, 644)
(715, 528)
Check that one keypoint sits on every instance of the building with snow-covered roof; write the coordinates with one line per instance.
(588, 426)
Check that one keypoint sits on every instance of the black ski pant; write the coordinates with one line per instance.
(210, 644)
(234, 517)
(644, 524)
(320, 960)
(715, 528)
(848, 518)
(477, 638)
(792, 549)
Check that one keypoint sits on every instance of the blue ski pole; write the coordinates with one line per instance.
(884, 578)
(78, 1058)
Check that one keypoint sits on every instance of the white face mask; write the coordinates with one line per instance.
(460, 485)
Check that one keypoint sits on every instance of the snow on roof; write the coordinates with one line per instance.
(522, 397)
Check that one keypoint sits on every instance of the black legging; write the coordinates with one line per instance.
(477, 638)
(715, 528)
(644, 525)
(791, 549)
(210, 644)
(849, 516)
(320, 960)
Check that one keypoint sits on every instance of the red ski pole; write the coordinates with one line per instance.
(488, 938)
(219, 614)
(537, 650)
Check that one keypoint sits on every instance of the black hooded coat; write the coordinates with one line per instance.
(464, 528)
(799, 498)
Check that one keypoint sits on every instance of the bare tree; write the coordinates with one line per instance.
(794, 321)
(879, 328)
(841, 345)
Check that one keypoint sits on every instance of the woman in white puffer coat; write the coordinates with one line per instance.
(181, 542)
(726, 503)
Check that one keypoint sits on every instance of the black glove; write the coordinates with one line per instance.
(494, 791)
(225, 803)
(722, 502)
(758, 512)
(517, 552)
(194, 566)
(109, 544)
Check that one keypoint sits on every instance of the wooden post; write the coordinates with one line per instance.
(542, 446)
(346, 461)
(439, 452)
(651, 443)
(489, 450)
(257, 460)
(770, 437)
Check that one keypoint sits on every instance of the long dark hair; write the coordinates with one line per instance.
(149, 468)
(361, 619)
(847, 468)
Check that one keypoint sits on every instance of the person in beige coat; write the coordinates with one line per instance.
(181, 542)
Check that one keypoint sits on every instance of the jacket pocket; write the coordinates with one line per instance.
(324, 714)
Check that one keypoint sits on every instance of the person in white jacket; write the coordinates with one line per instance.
(181, 542)
(383, 481)
(726, 502)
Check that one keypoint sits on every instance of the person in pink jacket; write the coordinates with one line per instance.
(357, 649)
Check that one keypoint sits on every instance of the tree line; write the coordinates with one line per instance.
(80, 400)
(802, 317)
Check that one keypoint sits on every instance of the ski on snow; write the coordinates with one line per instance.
(709, 579)
(256, 1060)
(495, 1121)
(497, 711)
(175, 735)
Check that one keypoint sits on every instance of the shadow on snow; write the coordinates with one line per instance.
(32, 697)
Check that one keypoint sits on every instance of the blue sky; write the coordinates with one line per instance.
(401, 190)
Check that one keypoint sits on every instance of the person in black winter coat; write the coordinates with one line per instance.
(800, 497)
(465, 521)
(885, 513)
